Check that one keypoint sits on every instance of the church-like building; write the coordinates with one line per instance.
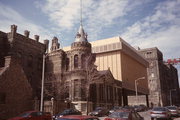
(72, 76)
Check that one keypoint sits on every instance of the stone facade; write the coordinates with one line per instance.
(72, 74)
(162, 78)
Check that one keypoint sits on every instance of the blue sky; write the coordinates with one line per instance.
(143, 23)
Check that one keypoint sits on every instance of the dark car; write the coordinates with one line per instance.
(160, 112)
(174, 110)
(131, 108)
(78, 117)
(114, 109)
(67, 112)
(99, 111)
(33, 115)
(140, 108)
(124, 115)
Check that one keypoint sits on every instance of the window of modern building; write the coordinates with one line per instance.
(105, 48)
(114, 46)
(110, 47)
(97, 49)
(118, 45)
(76, 61)
(101, 49)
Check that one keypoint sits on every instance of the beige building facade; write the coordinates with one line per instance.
(125, 63)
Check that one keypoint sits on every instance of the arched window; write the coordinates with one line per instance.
(76, 61)
(67, 64)
(83, 61)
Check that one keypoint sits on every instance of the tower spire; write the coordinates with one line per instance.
(81, 12)
(81, 35)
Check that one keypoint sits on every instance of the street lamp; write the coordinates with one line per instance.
(42, 84)
(170, 92)
(141, 78)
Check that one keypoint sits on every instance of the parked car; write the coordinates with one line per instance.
(78, 117)
(67, 112)
(137, 108)
(174, 110)
(114, 109)
(33, 115)
(131, 108)
(99, 111)
(124, 115)
(160, 112)
(140, 108)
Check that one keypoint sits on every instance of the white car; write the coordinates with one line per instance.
(160, 112)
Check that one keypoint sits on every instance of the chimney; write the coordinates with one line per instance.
(46, 42)
(13, 30)
(55, 45)
(36, 37)
(26, 33)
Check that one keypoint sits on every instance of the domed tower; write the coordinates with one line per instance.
(80, 49)
(76, 65)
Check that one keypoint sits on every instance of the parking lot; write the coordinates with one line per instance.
(146, 116)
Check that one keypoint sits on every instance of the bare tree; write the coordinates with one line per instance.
(91, 75)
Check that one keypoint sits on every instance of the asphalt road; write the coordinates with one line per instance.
(145, 114)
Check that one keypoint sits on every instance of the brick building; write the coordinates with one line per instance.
(20, 72)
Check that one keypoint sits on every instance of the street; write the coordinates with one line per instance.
(145, 114)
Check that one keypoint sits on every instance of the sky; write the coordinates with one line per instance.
(142, 23)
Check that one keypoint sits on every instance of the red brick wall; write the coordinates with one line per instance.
(17, 90)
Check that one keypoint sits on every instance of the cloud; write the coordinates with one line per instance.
(161, 29)
(64, 13)
(97, 14)
(9, 16)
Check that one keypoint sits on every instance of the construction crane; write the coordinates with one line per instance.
(174, 61)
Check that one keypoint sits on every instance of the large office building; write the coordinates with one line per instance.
(126, 65)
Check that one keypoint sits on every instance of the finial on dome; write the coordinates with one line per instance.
(81, 35)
